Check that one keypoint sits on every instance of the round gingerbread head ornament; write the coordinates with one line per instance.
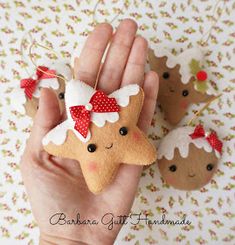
(188, 157)
(183, 81)
(27, 95)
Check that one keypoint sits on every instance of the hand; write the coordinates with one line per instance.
(57, 185)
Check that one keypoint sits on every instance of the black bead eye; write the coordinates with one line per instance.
(209, 166)
(123, 131)
(185, 93)
(61, 96)
(91, 147)
(172, 168)
(166, 75)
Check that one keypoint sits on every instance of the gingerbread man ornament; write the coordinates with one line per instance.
(183, 81)
(101, 132)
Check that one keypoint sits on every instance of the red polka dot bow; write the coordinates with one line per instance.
(212, 138)
(29, 84)
(98, 103)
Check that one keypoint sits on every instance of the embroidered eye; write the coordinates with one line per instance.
(123, 131)
(91, 147)
(166, 75)
(61, 96)
(185, 93)
(172, 168)
(209, 166)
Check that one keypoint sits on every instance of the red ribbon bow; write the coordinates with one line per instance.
(99, 103)
(212, 138)
(30, 84)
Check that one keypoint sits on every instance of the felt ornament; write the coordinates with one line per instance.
(183, 81)
(188, 157)
(27, 93)
(101, 132)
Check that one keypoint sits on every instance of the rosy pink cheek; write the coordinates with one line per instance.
(208, 178)
(183, 104)
(136, 136)
(92, 167)
(171, 180)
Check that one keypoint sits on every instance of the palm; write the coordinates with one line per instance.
(57, 185)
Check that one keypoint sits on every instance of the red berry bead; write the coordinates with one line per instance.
(201, 76)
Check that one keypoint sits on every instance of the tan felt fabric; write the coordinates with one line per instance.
(191, 172)
(100, 167)
(170, 95)
(31, 106)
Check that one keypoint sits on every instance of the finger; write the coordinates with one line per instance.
(47, 117)
(125, 183)
(87, 66)
(132, 172)
(134, 72)
(117, 56)
(151, 86)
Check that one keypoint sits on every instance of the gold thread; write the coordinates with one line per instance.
(97, 78)
(114, 18)
(196, 115)
(22, 49)
(34, 43)
(215, 22)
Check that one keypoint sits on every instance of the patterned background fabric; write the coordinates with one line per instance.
(180, 24)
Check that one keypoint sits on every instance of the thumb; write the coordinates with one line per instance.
(46, 118)
(48, 113)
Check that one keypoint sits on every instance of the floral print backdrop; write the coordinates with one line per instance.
(63, 25)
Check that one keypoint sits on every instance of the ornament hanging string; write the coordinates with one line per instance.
(125, 6)
(198, 113)
(35, 43)
(209, 32)
(23, 58)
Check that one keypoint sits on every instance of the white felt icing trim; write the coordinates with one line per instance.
(63, 69)
(60, 68)
(46, 83)
(58, 134)
(79, 93)
(179, 138)
(182, 59)
(122, 95)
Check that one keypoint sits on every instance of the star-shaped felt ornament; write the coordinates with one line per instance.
(101, 132)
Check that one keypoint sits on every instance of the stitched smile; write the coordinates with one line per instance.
(191, 175)
(109, 147)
